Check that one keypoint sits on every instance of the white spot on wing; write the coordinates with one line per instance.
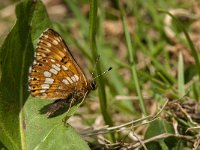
(53, 71)
(77, 78)
(69, 79)
(56, 67)
(29, 78)
(58, 39)
(48, 44)
(46, 49)
(45, 86)
(46, 36)
(73, 78)
(39, 57)
(47, 74)
(55, 42)
(52, 60)
(42, 91)
(30, 68)
(49, 80)
(65, 81)
(64, 67)
(41, 54)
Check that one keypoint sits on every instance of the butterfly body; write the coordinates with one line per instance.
(55, 75)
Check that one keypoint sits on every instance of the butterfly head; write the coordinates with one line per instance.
(93, 85)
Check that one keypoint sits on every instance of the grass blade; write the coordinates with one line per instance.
(93, 46)
(132, 62)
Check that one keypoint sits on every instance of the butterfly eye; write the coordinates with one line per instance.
(93, 85)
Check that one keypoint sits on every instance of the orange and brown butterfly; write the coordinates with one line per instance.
(55, 75)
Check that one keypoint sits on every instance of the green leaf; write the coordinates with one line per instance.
(158, 127)
(21, 124)
(14, 57)
(46, 134)
(2, 147)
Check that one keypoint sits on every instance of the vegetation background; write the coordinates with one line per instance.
(150, 99)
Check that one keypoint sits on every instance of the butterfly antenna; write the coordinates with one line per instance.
(95, 65)
(102, 73)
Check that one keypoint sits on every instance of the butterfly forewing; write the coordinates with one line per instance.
(55, 74)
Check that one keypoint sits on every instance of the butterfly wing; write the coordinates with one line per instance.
(55, 73)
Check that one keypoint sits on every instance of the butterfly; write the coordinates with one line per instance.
(55, 74)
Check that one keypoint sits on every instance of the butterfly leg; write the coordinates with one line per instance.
(61, 105)
(73, 101)
(68, 109)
